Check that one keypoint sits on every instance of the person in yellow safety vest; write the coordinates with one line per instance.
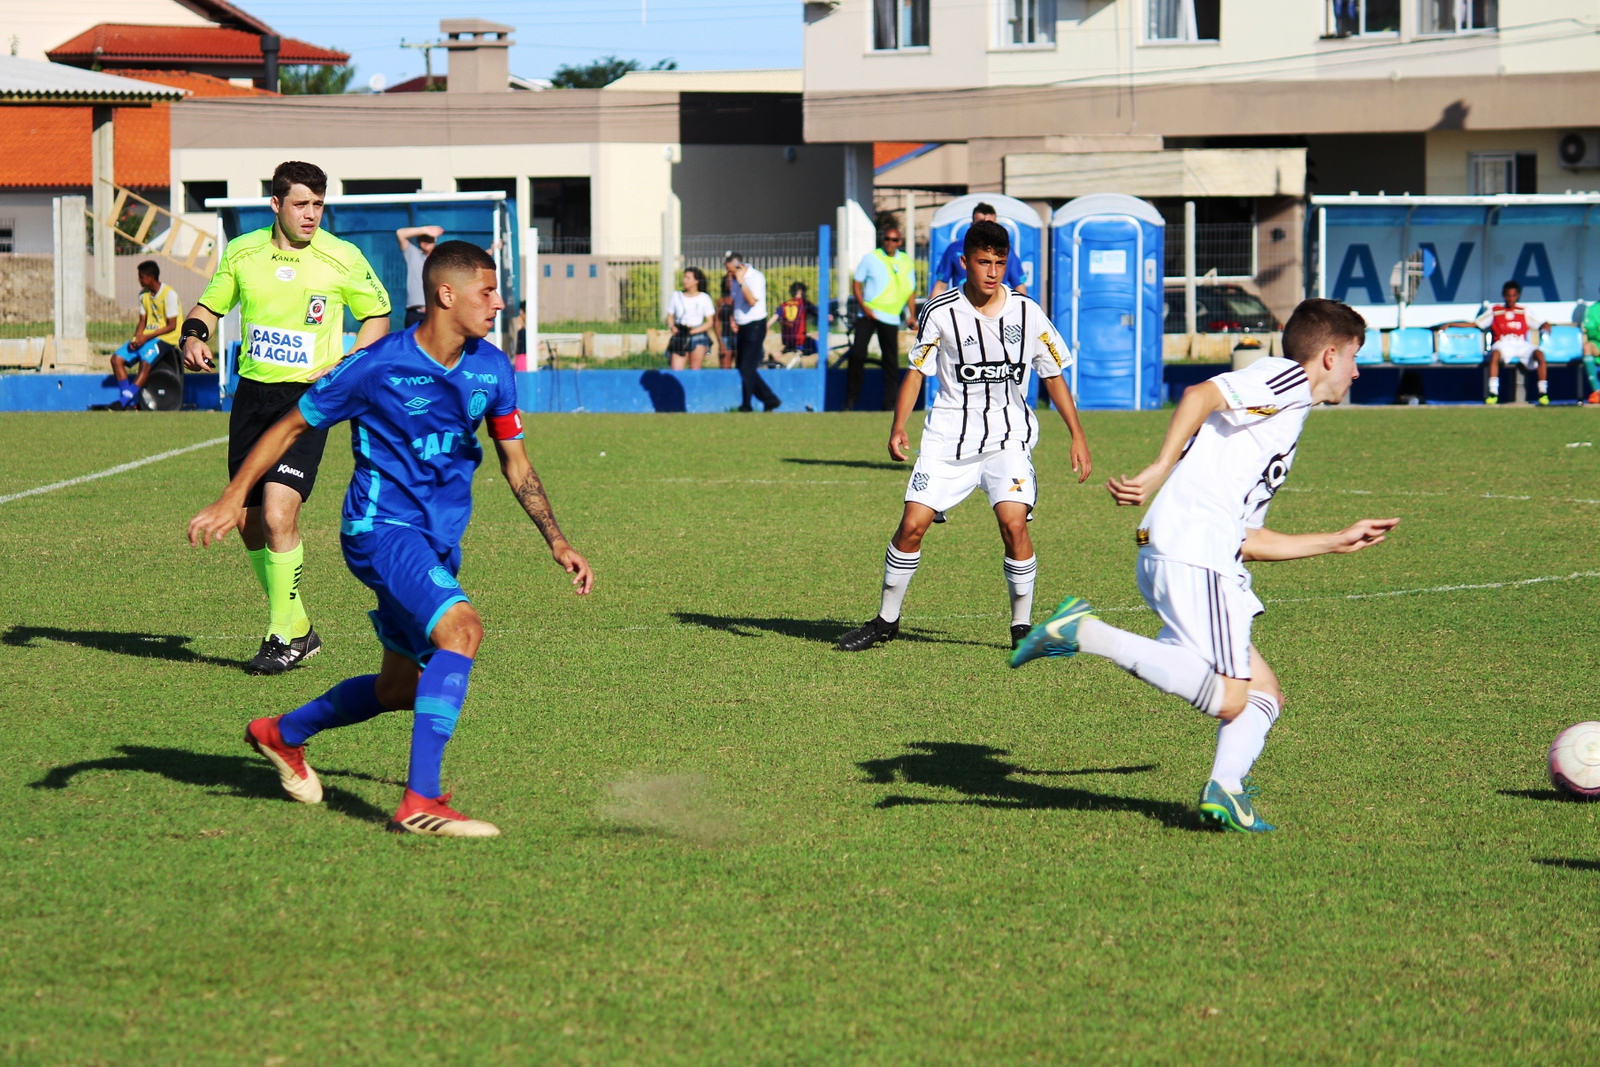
(883, 285)
(155, 336)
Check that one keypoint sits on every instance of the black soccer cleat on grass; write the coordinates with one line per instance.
(1018, 632)
(275, 657)
(868, 634)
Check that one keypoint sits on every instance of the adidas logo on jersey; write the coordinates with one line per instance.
(970, 341)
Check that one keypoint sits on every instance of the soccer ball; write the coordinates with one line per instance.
(1575, 761)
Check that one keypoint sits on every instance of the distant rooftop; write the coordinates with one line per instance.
(32, 82)
(119, 44)
(710, 81)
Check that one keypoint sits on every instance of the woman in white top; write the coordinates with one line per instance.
(691, 317)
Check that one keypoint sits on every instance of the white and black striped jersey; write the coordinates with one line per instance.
(983, 365)
(1232, 467)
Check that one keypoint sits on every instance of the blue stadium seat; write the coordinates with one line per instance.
(1460, 345)
(1371, 350)
(1564, 344)
(1411, 345)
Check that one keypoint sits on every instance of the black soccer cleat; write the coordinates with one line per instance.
(868, 634)
(275, 657)
(1018, 632)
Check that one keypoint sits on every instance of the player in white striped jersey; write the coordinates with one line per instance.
(984, 341)
(1235, 436)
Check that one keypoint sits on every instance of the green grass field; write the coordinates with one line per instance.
(726, 842)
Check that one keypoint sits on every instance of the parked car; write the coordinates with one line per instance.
(1220, 309)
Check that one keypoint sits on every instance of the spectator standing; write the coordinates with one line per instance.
(691, 317)
(727, 339)
(154, 335)
(425, 238)
(1591, 349)
(884, 283)
(950, 272)
(749, 289)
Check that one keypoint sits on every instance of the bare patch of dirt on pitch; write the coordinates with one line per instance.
(673, 805)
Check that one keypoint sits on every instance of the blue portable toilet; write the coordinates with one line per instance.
(951, 222)
(1106, 298)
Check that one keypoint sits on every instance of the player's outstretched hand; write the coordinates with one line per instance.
(1363, 534)
(1130, 492)
(1080, 460)
(899, 446)
(575, 565)
(213, 524)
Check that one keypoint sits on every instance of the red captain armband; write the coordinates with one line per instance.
(506, 427)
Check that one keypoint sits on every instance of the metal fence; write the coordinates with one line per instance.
(1228, 248)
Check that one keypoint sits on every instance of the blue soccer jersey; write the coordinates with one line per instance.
(414, 431)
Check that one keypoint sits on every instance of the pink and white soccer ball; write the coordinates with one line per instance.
(1575, 761)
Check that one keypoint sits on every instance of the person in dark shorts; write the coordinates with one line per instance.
(291, 282)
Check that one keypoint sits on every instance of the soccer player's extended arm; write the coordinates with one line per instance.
(1264, 544)
(529, 491)
(910, 389)
(1197, 405)
(215, 521)
(1061, 397)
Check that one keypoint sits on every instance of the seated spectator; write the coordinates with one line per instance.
(792, 318)
(1591, 349)
(1515, 332)
(154, 335)
(691, 317)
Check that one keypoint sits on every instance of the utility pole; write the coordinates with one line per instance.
(427, 48)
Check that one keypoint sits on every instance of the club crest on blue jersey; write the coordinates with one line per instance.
(443, 578)
(478, 404)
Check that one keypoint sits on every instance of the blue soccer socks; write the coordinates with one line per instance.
(351, 701)
(440, 693)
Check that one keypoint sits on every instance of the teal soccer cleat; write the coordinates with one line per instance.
(1233, 811)
(1057, 635)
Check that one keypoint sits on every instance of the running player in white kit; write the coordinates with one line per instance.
(1235, 436)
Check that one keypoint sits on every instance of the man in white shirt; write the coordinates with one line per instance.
(415, 256)
(749, 287)
(1235, 436)
(984, 341)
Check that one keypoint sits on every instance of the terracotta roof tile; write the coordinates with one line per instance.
(117, 43)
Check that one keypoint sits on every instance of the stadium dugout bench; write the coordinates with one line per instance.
(1418, 365)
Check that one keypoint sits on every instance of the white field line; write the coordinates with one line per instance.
(109, 471)
(1519, 497)
(1575, 576)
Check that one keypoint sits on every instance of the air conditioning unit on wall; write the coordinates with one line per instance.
(1579, 150)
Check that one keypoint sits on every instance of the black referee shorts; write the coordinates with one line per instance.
(256, 406)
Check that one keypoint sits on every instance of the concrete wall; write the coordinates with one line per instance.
(1447, 151)
(757, 188)
(28, 286)
(30, 217)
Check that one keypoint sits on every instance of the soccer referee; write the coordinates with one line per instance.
(291, 281)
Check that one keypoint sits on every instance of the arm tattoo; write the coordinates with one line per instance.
(530, 493)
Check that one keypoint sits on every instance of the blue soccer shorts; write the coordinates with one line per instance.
(415, 584)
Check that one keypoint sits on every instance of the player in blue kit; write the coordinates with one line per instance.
(414, 400)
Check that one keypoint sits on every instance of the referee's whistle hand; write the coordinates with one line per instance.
(197, 355)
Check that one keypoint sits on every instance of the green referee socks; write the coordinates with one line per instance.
(280, 575)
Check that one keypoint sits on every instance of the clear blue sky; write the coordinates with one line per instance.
(714, 35)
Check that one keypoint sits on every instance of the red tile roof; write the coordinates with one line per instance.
(49, 147)
(117, 43)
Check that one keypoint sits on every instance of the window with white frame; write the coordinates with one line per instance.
(1352, 18)
(1026, 22)
(899, 24)
(1183, 20)
(1502, 172)
(1459, 16)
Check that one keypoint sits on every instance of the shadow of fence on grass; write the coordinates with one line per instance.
(828, 630)
(124, 643)
(236, 776)
(984, 779)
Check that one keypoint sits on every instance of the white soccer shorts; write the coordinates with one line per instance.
(941, 484)
(1514, 350)
(1201, 610)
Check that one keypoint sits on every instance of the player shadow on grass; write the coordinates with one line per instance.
(1536, 794)
(856, 464)
(1568, 863)
(986, 780)
(125, 643)
(235, 776)
(828, 630)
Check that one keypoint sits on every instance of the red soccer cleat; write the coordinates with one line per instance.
(298, 779)
(433, 818)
